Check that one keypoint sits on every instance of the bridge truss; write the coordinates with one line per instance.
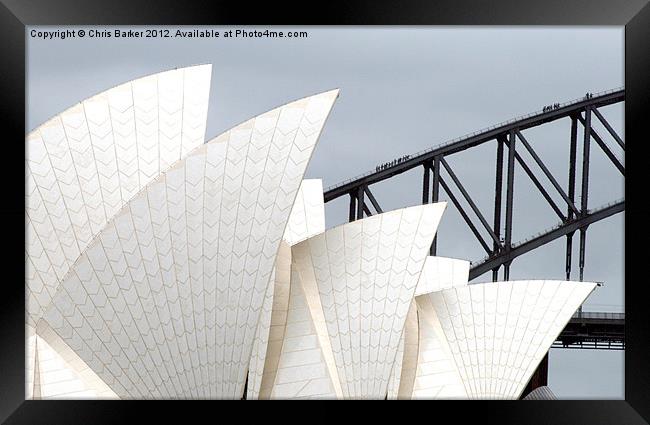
(584, 331)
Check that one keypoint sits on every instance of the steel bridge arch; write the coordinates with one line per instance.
(502, 251)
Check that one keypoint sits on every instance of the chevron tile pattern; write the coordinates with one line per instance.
(308, 213)
(298, 366)
(62, 374)
(498, 332)
(436, 374)
(395, 376)
(162, 267)
(541, 393)
(442, 273)
(179, 276)
(307, 218)
(261, 342)
(83, 166)
(404, 373)
(308, 333)
(428, 370)
(279, 308)
(303, 371)
(366, 273)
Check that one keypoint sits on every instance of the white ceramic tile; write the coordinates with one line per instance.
(365, 294)
(184, 268)
(86, 163)
(498, 332)
(442, 273)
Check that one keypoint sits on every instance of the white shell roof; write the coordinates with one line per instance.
(165, 302)
(84, 164)
(366, 273)
(442, 273)
(308, 213)
(541, 393)
(498, 332)
(307, 218)
(162, 267)
(61, 374)
(437, 376)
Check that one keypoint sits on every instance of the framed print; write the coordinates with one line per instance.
(428, 204)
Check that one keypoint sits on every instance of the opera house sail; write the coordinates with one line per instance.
(164, 266)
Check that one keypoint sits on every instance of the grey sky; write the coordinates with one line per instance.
(403, 90)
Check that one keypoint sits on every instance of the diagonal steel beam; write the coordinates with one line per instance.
(546, 171)
(366, 210)
(609, 128)
(470, 141)
(600, 142)
(469, 200)
(373, 201)
(557, 232)
(465, 216)
(539, 186)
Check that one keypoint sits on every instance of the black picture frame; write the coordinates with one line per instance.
(15, 15)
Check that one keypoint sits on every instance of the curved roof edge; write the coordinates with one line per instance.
(526, 316)
(246, 179)
(88, 161)
(99, 93)
(442, 273)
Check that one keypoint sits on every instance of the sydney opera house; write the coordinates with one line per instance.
(164, 266)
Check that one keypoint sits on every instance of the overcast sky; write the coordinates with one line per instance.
(404, 90)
